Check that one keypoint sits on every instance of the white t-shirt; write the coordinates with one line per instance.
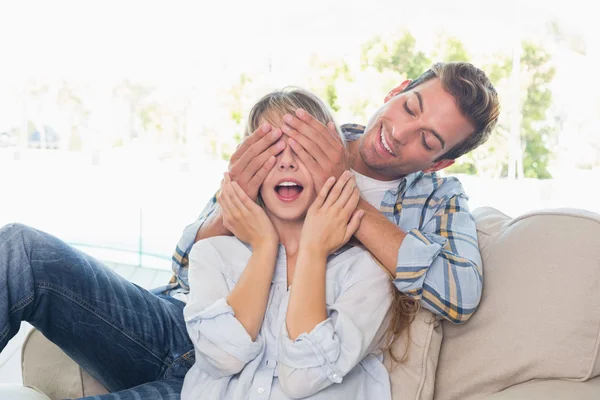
(373, 190)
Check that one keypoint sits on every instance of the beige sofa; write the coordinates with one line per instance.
(536, 334)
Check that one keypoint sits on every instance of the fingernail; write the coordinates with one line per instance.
(292, 142)
(286, 128)
(288, 118)
(276, 133)
(266, 127)
(300, 112)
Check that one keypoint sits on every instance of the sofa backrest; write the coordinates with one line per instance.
(539, 317)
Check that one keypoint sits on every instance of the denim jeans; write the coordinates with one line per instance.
(133, 342)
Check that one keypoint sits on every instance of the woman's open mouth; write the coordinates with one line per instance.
(288, 190)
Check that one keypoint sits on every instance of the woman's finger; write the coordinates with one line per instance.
(322, 196)
(353, 225)
(351, 204)
(335, 192)
(346, 193)
(235, 198)
(246, 201)
(232, 210)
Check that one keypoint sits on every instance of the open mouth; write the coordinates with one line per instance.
(383, 142)
(288, 190)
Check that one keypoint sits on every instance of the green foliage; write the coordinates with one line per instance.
(329, 73)
(399, 56)
(450, 50)
(237, 93)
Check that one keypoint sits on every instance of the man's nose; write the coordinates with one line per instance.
(400, 133)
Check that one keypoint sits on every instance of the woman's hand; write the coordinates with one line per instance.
(332, 219)
(243, 217)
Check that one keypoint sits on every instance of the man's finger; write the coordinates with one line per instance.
(308, 144)
(334, 132)
(311, 164)
(313, 129)
(250, 140)
(247, 154)
(260, 160)
(328, 132)
(260, 176)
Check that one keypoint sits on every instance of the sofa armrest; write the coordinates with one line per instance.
(48, 369)
(550, 390)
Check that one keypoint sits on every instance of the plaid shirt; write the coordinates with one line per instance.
(438, 261)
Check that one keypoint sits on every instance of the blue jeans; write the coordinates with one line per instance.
(133, 342)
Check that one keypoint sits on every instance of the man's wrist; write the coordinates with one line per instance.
(213, 226)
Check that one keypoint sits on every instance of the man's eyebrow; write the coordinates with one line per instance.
(437, 135)
(420, 98)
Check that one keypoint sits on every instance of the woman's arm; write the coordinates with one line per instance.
(249, 223)
(249, 297)
(224, 326)
(221, 343)
(306, 307)
(328, 225)
(322, 356)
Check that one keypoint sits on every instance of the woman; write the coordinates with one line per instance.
(286, 309)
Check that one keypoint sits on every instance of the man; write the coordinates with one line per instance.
(416, 223)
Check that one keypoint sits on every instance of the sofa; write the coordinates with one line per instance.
(536, 334)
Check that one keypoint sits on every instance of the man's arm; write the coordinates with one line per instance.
(439, 263)
(382, 237)
(213, 225)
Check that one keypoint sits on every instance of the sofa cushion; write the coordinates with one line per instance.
(414, 377)
(539, 316)
(551, 390)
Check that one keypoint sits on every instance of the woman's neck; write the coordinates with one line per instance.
(289, 234)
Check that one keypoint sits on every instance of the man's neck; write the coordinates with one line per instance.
(356, 162)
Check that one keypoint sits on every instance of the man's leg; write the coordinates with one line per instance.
(121, 334)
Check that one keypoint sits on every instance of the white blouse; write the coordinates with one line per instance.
(338, 359)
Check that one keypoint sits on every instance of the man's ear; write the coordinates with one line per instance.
(397, 90)
(443, 163)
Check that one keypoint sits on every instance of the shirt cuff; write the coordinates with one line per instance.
(318, 348)
(416, 254)
(217, 324)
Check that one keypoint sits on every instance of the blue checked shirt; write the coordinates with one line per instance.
(438, 261)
